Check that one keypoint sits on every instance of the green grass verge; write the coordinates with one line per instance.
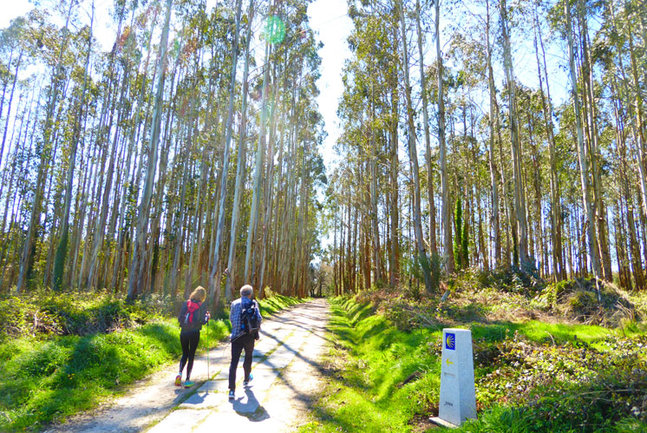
(275, 303)
(530, 377)
(48, 377)
(45, 381)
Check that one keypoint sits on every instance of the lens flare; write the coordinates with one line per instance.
(274, 30)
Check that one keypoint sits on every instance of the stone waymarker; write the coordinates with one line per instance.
(457, 393)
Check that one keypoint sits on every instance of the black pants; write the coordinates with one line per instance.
(246, 342)
(189, 341)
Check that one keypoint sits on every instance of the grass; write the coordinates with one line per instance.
(46, 377)
(275, 303)
(530, 376)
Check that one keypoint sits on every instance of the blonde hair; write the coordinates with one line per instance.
(247, 291)
(199, 294)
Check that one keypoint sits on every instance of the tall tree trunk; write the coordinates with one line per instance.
(425, 118)
(394, 168)
(137, 263)
(258, 171)
(590, 110)
(240, 165)
(494, 178)
(582, 151)
(214, 285)
(27, 255)
(444, 186)
(413, 158)
(61, 251)
(559, 272)
(519, 195)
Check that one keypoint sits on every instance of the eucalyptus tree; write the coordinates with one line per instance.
(62, 248)
(138, 260)
(446, 205)
(59, 77)
(519, 193)
(413, 160)
(426, 123)
(220, 211)
(241, 155)
(583, 152)
(559, 272)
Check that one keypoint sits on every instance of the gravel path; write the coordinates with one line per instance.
(286, 378)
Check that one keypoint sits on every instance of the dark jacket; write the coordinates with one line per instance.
(199, 318)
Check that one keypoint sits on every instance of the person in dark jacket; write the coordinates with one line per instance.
(241, 340)
(192, 316)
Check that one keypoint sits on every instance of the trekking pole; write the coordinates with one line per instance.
(208, 348)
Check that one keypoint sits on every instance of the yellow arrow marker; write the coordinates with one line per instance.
(449, 362)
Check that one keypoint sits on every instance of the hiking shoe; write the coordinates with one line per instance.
(231, 394)
(178, 380)
(251, 377)
(188, 384)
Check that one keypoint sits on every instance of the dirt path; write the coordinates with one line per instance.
(286, 377)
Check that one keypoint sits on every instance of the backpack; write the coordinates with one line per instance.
(249, 322)
(189, 319)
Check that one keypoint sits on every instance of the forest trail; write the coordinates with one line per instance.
(286, 377)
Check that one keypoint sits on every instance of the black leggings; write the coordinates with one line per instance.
(189, 341)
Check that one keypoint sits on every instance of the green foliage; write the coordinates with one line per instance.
(461, 240)
(562, 388)
(508, 280)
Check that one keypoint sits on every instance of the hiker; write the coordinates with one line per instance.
(192, 316)
(242, 337)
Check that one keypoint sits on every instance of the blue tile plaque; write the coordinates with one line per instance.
(450, 341)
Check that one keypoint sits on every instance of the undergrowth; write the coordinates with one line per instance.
(45, 313)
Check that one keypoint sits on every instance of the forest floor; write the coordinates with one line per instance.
(286, 379)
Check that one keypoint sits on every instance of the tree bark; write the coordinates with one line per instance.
(444, 186)
(137, 263)
(413, 158)
(582, 151)
(519, 195)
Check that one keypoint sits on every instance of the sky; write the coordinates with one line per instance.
(329, 19)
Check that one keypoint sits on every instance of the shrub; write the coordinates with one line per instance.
(45, 313)
(578, 299)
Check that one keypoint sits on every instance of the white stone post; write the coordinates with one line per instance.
(457, 393)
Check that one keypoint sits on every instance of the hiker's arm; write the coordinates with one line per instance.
(258, 313)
